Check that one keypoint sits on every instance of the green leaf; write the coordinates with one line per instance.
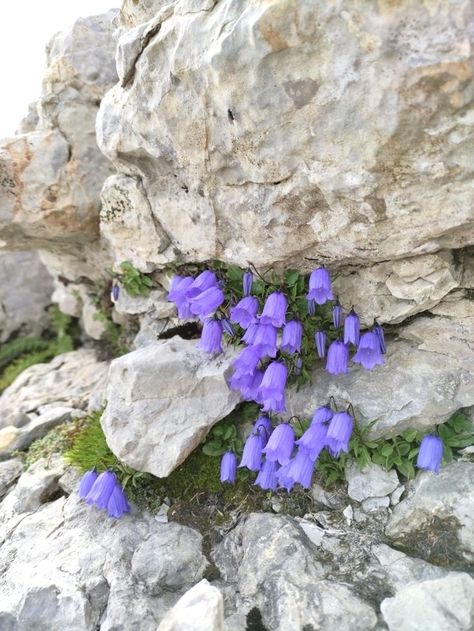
(413, 453)
(213, 449)
(460, 423)
(445, 431)
(403, 449)
(447, 453)
(386, 450)
(218, 430)
(410, 435)
(407, 469)
(459, 441)
(291, 277)
(234, 273)
(229, 432)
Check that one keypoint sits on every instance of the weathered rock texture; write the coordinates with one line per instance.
(162, 400)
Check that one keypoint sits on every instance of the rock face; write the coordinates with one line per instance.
(371, 481)
(266, 159)
(25, 293)
(200, 609)
(162, 400)
(436, 520)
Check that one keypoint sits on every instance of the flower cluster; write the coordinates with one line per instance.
(104, 491)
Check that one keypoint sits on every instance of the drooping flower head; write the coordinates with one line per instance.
(369, 353)
(430, 453)
(205, 303)
(272, 388)
(284, 480)
(339, 432)
(313, 441)
(337, 315)
(178, 295)
(101, 490)
(115, 292)
(251, 389)
(246, 363)
(267, 479)
(244, 311)
(320, 286)
(249, 335)
(211, 337)
(265, 340)
(252, 453)
(320, 341)
(298, 366)
(301, 469)
(280, 444)
(205, 280)
(86, 483)
(263, 426)
(338, 358)
(247, 282)
(352, 328)
(274, 309)
(291, 338)
(227, 327)
(117, 504)
(228, 467)
(311, 307)
(378, 330)
(322, 415)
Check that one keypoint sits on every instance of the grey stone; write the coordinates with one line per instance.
(162, 400)
(200, 609)
(444, 604)
(396, 495)
(156, 564)
(436, 519)
(371, 481)
(10, 470)
(375, 503)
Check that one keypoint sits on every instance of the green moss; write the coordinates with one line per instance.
(56, 441)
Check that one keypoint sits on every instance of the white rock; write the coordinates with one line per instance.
(200, 609)
(348, 514)
(162, 400)
(375, 503)
(396, 495)
(371, 481)
(10, 470)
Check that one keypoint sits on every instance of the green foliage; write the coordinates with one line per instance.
(224, 436)
(114, 333)
(133, 281)
(57, 441)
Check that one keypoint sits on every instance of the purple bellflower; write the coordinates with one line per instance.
(211, 337)
(205, 280)
(246, 363)
(265, 340)
(322, 415)
(267, 479)
(284, 480)
(272, 388)
(311, 307)
(228, 467)
(298, 366)
(301, 469)
(244, 311)
(368, 353)
(320, 286)
(378, 330)
(352, 328)
(251, 389)
(86, 483)
(291, 338)
(263, 426)
(115, 292)
(101, 490)
(247, 282)
(338, 358)
(337, 315)
(339, 432)
(274, 309)
(430, 453)
(205, 303)
(252, 453)
(320, 340)
(313, 440)
(249, 335)
(117, 504)
(280, 444)
(227, 327)
(177, 294)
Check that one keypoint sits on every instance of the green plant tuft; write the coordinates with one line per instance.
(133, 281)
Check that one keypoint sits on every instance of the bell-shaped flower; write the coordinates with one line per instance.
(117, 504)
(430, 454)
(206, 303)
(311, 307)
(378, 330)
(211, 337)
(267, 479)
(291, 337)
(337, 315)
(320, 286)
(265, 340)
(369, 353)
(352, 328)
(227, 327)
(284, 480)
(101, 490)
(298, 366)
(86, 483)
(339, 432)
(252, 453)
(249, 335)
(274, 309)
(178, 295)
(114, 292)
(205, 280)
(320, 341)
(246, 363)
(338, 358)
(313, 441)
(263, 426)
(301, 469)
(244, 311)
(247, 282)
(322, 415)
(280, 444)
(251, 389)
(228, 467)
(272, 388)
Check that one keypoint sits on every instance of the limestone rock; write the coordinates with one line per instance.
(9, 471)
(261, 164)
(444, 604)
(162, 400)
(200, 609)
(25, 293)
(436, 519)
(428, 374)
(372, 481)
(287, 583)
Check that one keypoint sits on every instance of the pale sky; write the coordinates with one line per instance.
(25, 29)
